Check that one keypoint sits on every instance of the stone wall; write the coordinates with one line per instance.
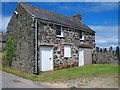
(90, 39)
(47, 36)
(20, 27)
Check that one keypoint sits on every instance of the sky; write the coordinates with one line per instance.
(102, 17)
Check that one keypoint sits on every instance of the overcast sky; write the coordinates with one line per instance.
(101, 17)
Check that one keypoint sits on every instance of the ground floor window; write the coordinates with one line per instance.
(67, 51)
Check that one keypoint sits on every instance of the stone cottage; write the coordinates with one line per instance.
(3, 39)
(49, 41)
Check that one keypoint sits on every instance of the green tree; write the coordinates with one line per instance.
(110, 49)
(97, 49)
(117, 52)
(105, 50)
(10, 50)
(101, 50)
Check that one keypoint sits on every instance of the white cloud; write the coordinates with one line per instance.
(106, 35)
(5, 21)
(91, 6)
(99, 7)
(105, 30)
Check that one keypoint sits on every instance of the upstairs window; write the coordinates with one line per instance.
(81, 35)
(59, 31)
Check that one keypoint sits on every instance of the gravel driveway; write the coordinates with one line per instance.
(94, 82)
(13, 81)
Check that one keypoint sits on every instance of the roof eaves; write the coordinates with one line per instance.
(88, 28)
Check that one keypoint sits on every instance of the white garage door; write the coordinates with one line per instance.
(81, 57)
(46, 58)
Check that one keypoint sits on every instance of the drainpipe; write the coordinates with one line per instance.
(36, 45)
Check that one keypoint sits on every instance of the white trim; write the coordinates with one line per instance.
(16, 12)
(40, 56)
(67, 53)
(83, 36)
(61, 33)
(82, 51)
(52, 58)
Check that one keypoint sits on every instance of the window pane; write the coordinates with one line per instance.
(81, 32)
(67, 51)
(81, 35)
(58, 30)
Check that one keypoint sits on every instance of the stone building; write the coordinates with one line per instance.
(3, 39)
(49, 41)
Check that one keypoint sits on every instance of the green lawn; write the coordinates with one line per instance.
(66, 74)
(0, 61)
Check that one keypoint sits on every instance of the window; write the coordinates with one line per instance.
(81, 35)
(59, 31)
(67, 51)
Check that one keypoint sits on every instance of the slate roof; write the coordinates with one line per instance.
(3, 37)
(54, 17)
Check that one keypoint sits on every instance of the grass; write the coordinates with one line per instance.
(2, 54)
(71, 73)
(0, 61)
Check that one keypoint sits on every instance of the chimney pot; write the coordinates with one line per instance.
(77, 16)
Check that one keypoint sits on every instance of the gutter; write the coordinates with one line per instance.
(36, 44)
(51, 22)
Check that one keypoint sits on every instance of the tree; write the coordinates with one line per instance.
(101, 50)
(97, 49)
(105, 50)
(113, 52)
(10, 50)
(110, 49)
(117, 51)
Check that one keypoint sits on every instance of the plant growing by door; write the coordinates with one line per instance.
(10, 50)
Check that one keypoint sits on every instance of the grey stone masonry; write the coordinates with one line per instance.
(47, 36)
(20, 27)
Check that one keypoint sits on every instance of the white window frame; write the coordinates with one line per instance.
(82, 36)
(67, 50)
(61, 32)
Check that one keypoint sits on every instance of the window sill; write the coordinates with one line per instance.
(59, 36)
(82, 39)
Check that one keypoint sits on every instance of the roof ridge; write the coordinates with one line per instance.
(53, 16)
(47, 11)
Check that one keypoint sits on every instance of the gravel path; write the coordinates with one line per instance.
(0, 80)
(13, 81)
(94, 82)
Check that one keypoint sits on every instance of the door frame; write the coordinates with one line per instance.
(40, 60)
(82, 51)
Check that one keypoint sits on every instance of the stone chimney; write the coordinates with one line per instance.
(77, 16)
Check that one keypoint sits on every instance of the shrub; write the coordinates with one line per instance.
(10, 50)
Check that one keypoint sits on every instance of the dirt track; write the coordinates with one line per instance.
(95, 82)
(13, 81)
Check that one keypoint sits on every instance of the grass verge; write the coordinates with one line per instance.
(66, 74)
(0, 61)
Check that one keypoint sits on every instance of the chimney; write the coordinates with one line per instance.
(77, 16)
